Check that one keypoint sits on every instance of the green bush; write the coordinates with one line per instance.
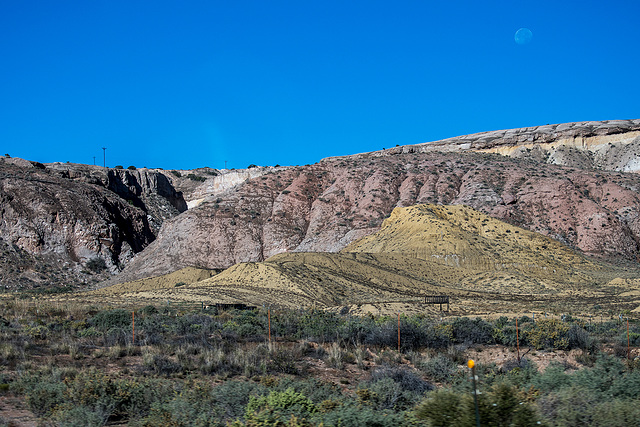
(440, 368)
(503, 405)
(96, 265)
(194, 177)
(469, 331)
(45, 396)
(277, 407)
(548, 334)
(109, 319)
(350, 414)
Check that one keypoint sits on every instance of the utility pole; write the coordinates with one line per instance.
(94, 160)
(104, 157)
(225, 164)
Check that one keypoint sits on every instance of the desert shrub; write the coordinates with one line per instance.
(513, 363)
(278, 406)
(553, 378)
(285, 323)
(355, 329)
(231, 398)
(407, 379)
(586, 358)
(440, 368)
(470, 331)
(314, 389)
(45, 396)
(568, 407)
(626, 386)
(580, 338)
(634, 339)
(176, 174)
(108, 319)
(415, 333)
(503, 405)
(440, 409)
(151, 329)
(548, 333)
(117, 336)
(318, 325)
(39, 332)
(96, 264)
(392, 389)
(80, 416)
(386, 394)
(194, 177)
(601, 377)
(617, 413)
(248, 324)
(335, 356)
(355, 415)
(283, 360)
(162, 365)
(149, 310)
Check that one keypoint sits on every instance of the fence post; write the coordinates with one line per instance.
(518, 341)
(628, 350)
(398, 332)
(269, 320)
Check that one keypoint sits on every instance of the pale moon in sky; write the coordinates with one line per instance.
(523, 36)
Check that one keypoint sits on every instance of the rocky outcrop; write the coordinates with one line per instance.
(607, 145)
(148, 189)
(50, 223)
(199, 184)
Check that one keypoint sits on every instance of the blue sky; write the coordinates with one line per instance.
(186, 84)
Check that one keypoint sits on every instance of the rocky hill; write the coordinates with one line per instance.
(74, 224)
(483, 264)
(325, 206)
(572, 182)
(611, 145)
(58, 229)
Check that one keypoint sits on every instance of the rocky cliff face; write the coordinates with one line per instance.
(199, 184)
(147, 189)
(324, 207)
(55, 229)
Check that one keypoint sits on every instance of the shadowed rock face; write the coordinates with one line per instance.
(147, 189)
(52, 226)
(324, 207)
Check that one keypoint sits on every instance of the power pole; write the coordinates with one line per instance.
(104, 157)
(225, 164)
(94, 160)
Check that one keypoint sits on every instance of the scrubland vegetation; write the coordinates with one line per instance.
(80, 365)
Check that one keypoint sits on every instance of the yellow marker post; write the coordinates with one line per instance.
(472, 365)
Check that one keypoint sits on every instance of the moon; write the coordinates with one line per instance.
(523, 36)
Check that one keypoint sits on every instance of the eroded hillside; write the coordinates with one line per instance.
(326, 206)
(483, 264)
